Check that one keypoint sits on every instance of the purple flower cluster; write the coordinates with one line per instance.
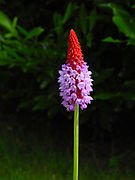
(75, 86)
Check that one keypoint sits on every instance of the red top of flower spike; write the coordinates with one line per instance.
(75, 56)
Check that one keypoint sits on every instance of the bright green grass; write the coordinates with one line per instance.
(21, 162)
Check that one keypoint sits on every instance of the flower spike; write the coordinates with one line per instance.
(75, 79)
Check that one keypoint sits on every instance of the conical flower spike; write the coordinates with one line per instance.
(75, 79)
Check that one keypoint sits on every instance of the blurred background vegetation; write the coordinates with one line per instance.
(33, 46)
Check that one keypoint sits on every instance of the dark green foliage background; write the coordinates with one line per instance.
(33, 46)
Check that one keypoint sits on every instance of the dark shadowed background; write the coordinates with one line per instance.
(33, 46)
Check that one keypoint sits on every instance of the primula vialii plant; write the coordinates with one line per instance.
(75, 87)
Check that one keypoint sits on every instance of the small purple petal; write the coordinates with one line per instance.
(81, 85)
(83, 106)
(78, 101)
(74, 96)
(71, 107)
(73, 88)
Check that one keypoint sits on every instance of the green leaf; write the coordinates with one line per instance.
(92, 19)
(133, 6)
(83, 18)
(22, 31)
(70, 8)
(67, 13)
(34, 32)
(5, 21)
(110, 39)
(14, 24)
(44, 84)
(124, 26)
(104, 96)
(2, 38)
(51, 73)
(25, 104)
(15, 20)
(89, 39)
(105, 5)
(131, 42)
(57, 18)
(126, 95)
(123, 20)
(3, 63)
(130, 83)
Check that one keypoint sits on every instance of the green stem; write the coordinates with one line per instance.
(76, 142)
